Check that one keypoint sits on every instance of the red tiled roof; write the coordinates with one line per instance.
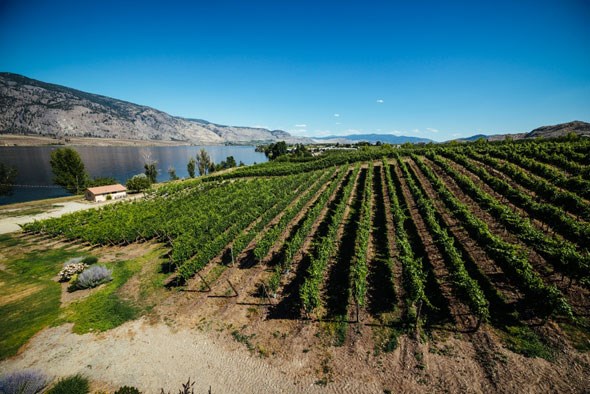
(107, 189)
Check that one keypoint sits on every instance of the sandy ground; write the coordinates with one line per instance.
(11, 224)
(151, 357)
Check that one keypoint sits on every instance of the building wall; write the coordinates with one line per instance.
(119, 195)
(114, 196)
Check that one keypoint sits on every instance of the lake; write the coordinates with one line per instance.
(35, 177)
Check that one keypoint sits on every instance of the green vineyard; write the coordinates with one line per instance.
(494, 234)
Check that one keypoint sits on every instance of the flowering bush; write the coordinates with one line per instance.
(23, 382)
(70, 270)
(93, 276)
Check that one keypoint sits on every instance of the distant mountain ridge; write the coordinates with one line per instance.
(34, 107)
(373, 138)
(554, 131)
(559, 130)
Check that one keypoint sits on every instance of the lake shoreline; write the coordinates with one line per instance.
(38, 140)
(35, 178)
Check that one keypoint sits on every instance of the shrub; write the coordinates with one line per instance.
(93, 276)
(70, 270)
(23, 382)
(76, 384)
(187, 388)
(89, 260)
(127, 390)
(138, 183)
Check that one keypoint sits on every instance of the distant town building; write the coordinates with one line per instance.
(103, 193)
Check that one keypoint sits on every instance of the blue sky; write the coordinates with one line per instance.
(434, 69)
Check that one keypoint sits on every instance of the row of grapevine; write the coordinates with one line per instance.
(561, 253)
(270, 237)
(468, 288)
(289, 166)
(413, 277)
(546, 299)
(261, 200)
(359, 268)
(255, 197)
(297, 239)
(324, 249)
(562, 198)
(196, 220)
(574, 184)
(560, 156)
(128, 222)
(559, 221)
(305, 191)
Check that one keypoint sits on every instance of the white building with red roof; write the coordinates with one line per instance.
(103, 193)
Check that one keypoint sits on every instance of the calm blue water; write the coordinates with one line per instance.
(120, 163)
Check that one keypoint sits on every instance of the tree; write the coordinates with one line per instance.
(7, 178)
(151, 171)
(203, 161)
(301, 151)
(191, 166)
(138, 183)
(172, 173)
(275, 150)
(68, 170)
(230, 162)
(102, 181)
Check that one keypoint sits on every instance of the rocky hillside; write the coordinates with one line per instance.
(34, 107)
(560, 130)
(555, 131)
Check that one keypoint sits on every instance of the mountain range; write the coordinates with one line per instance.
(37, 108)
(373, 138)
(31, 107)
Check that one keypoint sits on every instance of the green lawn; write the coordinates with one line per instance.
(30, 298)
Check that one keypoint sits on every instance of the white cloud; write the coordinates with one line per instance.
(380, 101)
(336, 115)
(455, 134)
(261, 127)
(299, 126)
(431, 130)
(338, 123)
